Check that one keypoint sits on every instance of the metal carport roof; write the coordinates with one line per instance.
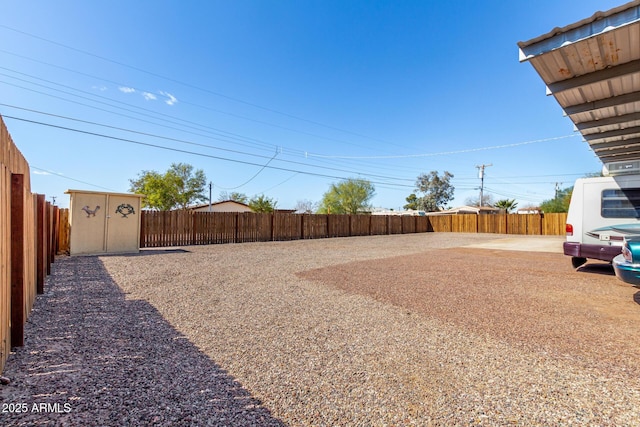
(592, 68)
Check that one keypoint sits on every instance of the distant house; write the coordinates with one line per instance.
(230, 206)
(528, 210)
(468, 210)
(389, 212)
(224, 206)
(413, 212)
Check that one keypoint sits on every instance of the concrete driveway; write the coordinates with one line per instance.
(551, 244)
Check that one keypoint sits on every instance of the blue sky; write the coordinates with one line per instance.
(316, 91)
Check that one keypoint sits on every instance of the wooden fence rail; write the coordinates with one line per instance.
(29, 236)
(179, 228)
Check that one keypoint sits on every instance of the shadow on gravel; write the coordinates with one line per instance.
(154, 251)
(91, 357)
(597, 268)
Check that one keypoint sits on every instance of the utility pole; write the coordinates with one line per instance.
(558, 184)
(481, 176)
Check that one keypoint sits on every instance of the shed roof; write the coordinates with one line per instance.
(466, 210)
(70, 191)
(592, 68)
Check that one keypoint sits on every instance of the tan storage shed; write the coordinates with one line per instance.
(104, 223)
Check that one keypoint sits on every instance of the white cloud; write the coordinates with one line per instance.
(171, 100)
(100, 88)
(168, 98)
(40, 172)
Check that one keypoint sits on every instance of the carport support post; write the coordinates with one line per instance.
(17, 260)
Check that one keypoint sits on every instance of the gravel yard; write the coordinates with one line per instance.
(416, 329)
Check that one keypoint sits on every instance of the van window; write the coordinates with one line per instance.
(621, 203)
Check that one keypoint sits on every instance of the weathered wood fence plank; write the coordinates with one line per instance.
(18, 315)
(554, 224)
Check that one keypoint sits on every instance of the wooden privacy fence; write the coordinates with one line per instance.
(551, 224)
(28, 242)
(180, 228)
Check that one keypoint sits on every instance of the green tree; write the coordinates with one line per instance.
(262, 204)
(436, 190)
(178, 187)
(560, 203)
(350, 196)
(234, 195)
(506, 204)
(413, 202)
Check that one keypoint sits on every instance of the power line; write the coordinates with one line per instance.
(253, 177)
(182, 101)
(306, 164)
(218, 131)
(204, 145)
(131, 131)
(180, 141)
(279, 184)
(230, 139)
(189, 85)
(69, 178)
(443, 153)
(235, 137)
(515, 195)
(191, 152)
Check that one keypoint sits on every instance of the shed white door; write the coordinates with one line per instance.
(123, 219)
(89, 213)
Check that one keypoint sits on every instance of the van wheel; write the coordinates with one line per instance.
(577, 261)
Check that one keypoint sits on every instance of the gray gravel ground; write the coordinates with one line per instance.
(94, 358)
(350, 331)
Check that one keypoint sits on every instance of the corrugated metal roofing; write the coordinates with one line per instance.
(592, 68)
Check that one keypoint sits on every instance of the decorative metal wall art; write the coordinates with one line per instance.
(90, 212)
(125, 209)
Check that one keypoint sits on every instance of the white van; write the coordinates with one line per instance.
(602, 212)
